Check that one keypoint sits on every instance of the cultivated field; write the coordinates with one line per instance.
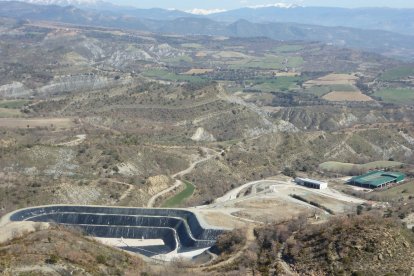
(396, 96)
(196, 71)
(345, 96)
(346, 168)
(59, 123)
(333, 79)
(10, 113)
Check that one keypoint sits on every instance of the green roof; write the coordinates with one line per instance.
(394, 174)
(377, 178)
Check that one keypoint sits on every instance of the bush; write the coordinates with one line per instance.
(230, 242)
(101, 259)
(53, 259)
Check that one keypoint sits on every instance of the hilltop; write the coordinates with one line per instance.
(60, 251)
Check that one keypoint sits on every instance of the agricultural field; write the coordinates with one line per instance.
(283, 83)
(333, 79)
(58, 123)
(347, 96)
(198, 71)
(290, 48)
(349, 168)
(178, 60)
(169, 76)
(270, 62)
(13, 104)
(10, 113)
(401, 96)
(398, 73)
(192, 45)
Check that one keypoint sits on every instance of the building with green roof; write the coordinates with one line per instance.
(377, 179)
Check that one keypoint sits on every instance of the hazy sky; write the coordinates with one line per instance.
(232, 4)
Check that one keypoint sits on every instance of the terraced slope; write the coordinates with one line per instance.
(180, 230)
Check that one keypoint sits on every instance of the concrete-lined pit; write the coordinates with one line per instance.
(179, 230)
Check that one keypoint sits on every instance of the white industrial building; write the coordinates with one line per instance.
(311, 183)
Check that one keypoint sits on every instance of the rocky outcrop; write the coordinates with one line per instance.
(14, 90)
(64, 84)
(202, 135)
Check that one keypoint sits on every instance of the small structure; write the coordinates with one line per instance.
(377, 179)
(311, 183)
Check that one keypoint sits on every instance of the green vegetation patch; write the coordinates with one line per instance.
(318, 90)
(342, 87)
(178, 59)
(396, 96)
(166, 75)
(268, 62)
(13, 104)
(348, 168)
(179, 198)
(398, 73)
(289, 48)
(276, 84)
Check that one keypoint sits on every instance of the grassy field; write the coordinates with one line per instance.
(178, 59)
(58, 123)
(398, 73)
(9, 113)
(192, 45)
(318, 90)
(342, 87)
(346, 168)
(277, 84)
(13, 104)
(396, 96)
(333, 80)
(404, 190)
(179, 198)
(288, 48)
(169, 76)
(347, 96)
(268, 62)
(198, 71)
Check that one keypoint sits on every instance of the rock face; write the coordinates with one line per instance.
(157, 183)
(14, 90)
(65, 84)
(202, 135)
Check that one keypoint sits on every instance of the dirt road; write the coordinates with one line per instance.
(210, 154)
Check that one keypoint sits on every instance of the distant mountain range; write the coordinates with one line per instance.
(229, 23)
(394, 20)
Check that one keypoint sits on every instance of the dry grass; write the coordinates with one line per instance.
(60, 251)
(59, 123)
(201, 54)
(287, 74)
(7, 113)
(196, 71)
(230, 54)
(339, 96)
(333, 79)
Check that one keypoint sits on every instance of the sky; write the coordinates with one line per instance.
(233, 4)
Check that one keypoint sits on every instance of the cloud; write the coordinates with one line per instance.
(205, 11)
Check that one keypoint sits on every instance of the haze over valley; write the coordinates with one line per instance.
(255, 141)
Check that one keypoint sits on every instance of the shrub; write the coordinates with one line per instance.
(101, 259)
(53, 259)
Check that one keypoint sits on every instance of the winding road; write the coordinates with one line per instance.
(210, 154)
